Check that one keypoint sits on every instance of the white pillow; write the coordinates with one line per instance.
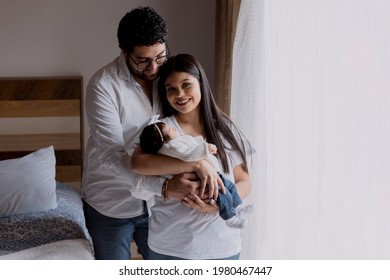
(27, 184)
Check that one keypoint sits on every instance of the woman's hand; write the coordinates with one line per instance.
(201, 205)
(210, 179)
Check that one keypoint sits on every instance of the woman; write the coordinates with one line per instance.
(192, 228)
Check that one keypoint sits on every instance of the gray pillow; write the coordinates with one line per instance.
(27, 184)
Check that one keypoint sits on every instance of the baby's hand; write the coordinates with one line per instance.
(212, 148)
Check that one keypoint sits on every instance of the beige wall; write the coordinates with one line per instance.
(73, 37)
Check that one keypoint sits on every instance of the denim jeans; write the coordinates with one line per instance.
(111, 237)
(156, 256)
(229, 201)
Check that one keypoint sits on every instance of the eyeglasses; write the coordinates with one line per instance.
(160, 60)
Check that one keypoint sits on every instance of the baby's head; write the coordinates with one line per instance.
(153, 136)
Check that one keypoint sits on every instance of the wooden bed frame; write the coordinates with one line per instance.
(27, 105)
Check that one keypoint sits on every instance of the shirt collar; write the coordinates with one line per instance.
(124, 72)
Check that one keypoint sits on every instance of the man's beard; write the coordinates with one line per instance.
(141, 75)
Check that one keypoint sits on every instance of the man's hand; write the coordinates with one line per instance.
(182, 185)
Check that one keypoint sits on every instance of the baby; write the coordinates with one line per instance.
(160, 138)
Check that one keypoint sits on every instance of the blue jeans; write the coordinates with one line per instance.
(156, 256)
(229, 201)
(111, 237)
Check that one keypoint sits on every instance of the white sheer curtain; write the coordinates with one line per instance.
(311, 90)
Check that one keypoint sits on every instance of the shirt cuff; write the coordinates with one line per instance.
(150, 185)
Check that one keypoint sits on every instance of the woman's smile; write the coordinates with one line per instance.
(183, 102)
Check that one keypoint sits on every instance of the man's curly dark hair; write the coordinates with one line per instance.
(141, 27)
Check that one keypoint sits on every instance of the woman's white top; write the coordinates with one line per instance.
(177, 230)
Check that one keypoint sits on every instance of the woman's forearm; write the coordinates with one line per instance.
(155, 164)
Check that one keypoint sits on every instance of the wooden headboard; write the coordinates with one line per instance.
(39, 112)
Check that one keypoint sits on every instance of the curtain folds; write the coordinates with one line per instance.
(248, 109)
(225, 28)
(311, 90)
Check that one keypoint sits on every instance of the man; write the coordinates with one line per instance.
(120, 99)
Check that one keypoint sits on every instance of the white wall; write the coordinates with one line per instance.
(73, 37)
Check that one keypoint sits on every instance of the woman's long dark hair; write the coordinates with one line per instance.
(213, 119)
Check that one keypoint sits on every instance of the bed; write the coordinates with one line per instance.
(41, 148)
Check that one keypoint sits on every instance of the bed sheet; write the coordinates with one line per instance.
(20, 232)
